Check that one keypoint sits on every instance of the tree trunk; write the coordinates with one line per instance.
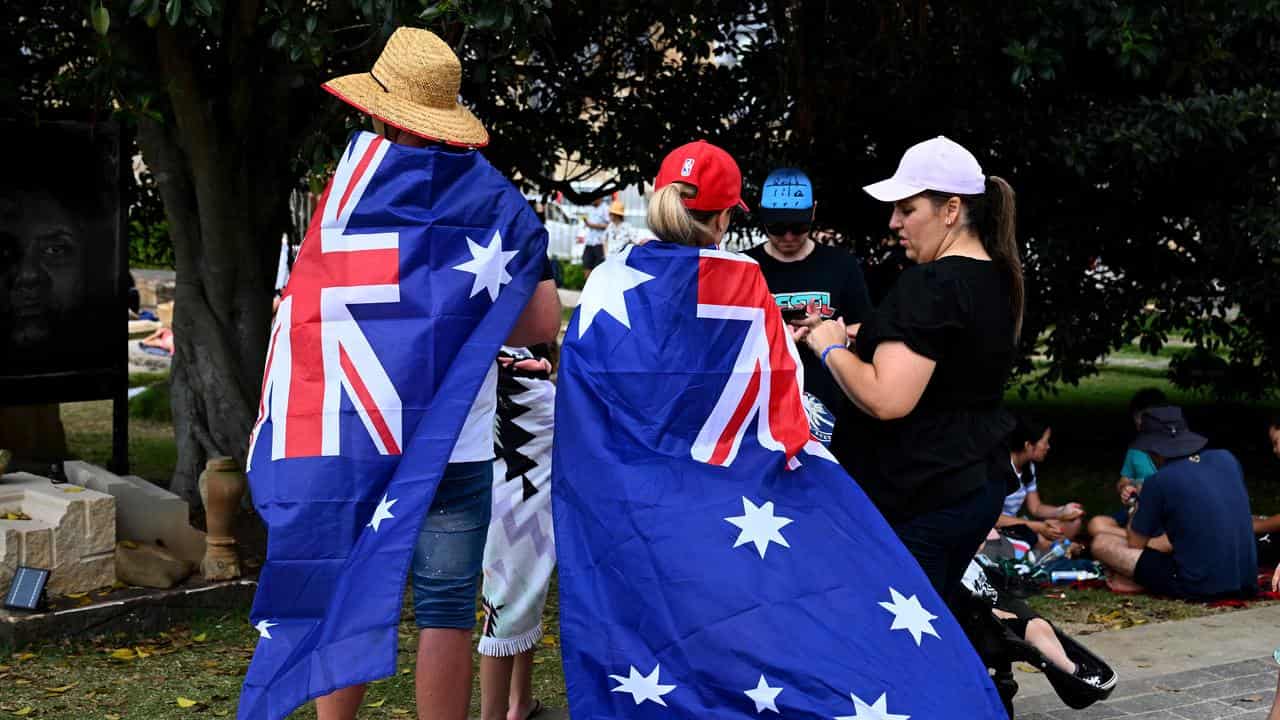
(225, 219)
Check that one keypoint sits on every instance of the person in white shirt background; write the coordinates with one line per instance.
(597, 220)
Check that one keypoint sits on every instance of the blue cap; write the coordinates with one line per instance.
(787, 196)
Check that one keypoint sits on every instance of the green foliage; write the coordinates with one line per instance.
(149, 242)
(572, 274)
(1143, 138)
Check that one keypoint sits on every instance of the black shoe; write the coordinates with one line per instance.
(1091, 676)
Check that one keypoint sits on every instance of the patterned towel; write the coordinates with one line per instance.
(520, 553)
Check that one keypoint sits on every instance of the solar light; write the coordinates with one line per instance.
(27, 590)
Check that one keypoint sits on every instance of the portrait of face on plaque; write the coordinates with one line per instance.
(59, 254)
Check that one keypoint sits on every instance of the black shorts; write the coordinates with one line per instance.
(1157, 573)
(592, 256)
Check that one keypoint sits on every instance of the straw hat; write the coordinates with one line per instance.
(414, 86)
(617, 208)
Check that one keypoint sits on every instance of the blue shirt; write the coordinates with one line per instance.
(1204, 508)
(1137, 466)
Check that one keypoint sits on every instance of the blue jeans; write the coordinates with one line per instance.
(448, 558)
(943, 541)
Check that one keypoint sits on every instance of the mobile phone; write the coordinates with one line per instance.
(794, 314)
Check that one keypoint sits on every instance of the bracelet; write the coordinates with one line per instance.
(829, 348)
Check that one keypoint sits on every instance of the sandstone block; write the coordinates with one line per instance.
(71, 532)
(149, 565)
(145, 513)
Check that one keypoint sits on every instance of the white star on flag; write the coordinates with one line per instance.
(489, 265)
(263, 627)
(606, 291)
(643, 687)
(382, 512)
(760, 526)
(909, 615)
(877, 711)
(765, 697)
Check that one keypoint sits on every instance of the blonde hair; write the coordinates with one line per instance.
(671, 221)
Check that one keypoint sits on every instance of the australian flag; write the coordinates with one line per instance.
(714, 560)
(412, 273)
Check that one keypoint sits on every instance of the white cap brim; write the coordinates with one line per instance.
(892, 190)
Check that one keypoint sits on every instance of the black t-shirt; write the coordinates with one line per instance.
(956, 312)
(828, 282)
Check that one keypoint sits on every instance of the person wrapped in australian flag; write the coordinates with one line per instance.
(715, 561)
(416, 267)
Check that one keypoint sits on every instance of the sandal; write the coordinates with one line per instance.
(535, 710)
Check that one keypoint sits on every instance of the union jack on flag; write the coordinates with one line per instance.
(714, 560)
(413, 271)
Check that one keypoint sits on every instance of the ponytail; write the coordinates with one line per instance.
(672, 222)
(992, 217)
(997, 228)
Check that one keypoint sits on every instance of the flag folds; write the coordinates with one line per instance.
(714, 561)
(413, 271)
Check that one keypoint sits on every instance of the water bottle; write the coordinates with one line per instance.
(1058, 576)
(1058, 550)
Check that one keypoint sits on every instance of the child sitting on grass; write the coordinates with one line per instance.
(1044, 524)
(1137, 467)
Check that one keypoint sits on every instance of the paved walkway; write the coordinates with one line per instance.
(1200, 669)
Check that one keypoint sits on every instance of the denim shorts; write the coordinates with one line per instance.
(449, 553)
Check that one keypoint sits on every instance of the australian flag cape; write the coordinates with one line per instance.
(414, 270)
(714, 560)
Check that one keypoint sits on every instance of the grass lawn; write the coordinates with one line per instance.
(205, 662)
(152, 677)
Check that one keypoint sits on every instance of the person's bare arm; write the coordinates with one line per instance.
(1138, 541)
(887, 388)
(540, 321)
(1263, 525)
(1160, 543)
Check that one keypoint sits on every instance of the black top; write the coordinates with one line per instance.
(828, 282)
(956, 312)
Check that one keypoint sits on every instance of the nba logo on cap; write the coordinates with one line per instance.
(687, 169)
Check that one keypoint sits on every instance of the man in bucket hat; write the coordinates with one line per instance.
(1190, 533)
(462, 282)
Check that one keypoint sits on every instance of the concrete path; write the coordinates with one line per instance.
(1212, 667)
(1200, 669)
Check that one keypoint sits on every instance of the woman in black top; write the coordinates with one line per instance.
(929, 366)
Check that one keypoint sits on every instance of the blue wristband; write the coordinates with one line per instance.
(828, 349)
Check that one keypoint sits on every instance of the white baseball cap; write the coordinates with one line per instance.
(937, 164)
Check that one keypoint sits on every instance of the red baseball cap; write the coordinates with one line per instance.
(707, 168)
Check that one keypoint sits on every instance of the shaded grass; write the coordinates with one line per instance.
(1089, 610)
(1092, 429)
(152, 452)
(204, 661)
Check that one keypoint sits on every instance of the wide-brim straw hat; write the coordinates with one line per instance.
(617, 208)
(414, 86)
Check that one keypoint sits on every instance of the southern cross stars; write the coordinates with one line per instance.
(643, 687)
(264, 628)
(382, 512)
(606, 291)
(876, 711)
(759, 525)
(765, 697)
(489, 265)
(909, 615)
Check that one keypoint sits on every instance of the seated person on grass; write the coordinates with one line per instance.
(1267, 529)
(1136, 469)
(1045, 524)
(1190, 534)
